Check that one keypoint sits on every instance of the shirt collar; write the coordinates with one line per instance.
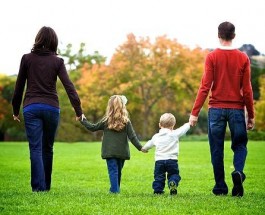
(164, 130)
(226, 47)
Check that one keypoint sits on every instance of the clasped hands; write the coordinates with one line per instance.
(80, 118)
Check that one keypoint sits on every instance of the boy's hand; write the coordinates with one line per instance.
(144, 150)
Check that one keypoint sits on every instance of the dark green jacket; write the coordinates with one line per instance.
(115, 143)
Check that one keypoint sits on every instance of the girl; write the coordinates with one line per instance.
(117, 128)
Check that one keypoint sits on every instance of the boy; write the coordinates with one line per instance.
(166, 154)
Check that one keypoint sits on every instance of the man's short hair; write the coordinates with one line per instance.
(226, 31)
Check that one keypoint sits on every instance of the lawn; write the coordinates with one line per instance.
(80, 182)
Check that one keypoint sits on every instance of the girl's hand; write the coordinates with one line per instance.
(143, 150)
(80, 118)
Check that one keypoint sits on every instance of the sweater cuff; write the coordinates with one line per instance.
(78, 111)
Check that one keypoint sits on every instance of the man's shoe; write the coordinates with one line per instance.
(238, 189)
(173, 188)
(220, 189)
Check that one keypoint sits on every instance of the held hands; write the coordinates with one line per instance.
(144, 150)
(250, 124)
(80, 118)
(193, 120)
(16, 118)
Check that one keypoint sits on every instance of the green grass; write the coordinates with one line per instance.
(80, 183)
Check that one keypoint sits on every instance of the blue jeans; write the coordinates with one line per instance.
(161, 168)
(115, 166)
(217, 122)
(41, 126)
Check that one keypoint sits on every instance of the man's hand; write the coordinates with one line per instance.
(250, 124)
(193, 120)
(144, 150)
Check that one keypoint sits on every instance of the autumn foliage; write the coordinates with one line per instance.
(156, 76)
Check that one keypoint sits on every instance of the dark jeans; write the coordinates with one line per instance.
(217, 122)
(161, 168)
(41, 126)
(115, 166)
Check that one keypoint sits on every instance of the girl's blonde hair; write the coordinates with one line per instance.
(116, 113)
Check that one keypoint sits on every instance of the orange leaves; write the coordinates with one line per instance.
(156, 76)
(260, 106)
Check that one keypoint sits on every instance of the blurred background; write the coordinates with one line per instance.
(151, 51)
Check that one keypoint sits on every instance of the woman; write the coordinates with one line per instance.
(41, 111)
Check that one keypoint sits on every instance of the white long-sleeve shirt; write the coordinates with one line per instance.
(167, 142)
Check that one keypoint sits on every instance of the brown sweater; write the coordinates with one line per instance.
(40, 70)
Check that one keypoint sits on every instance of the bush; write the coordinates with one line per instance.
(14, 134)
(256, 135)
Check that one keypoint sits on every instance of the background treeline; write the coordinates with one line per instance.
(156, 76)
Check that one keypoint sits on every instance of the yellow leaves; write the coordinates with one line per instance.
(156, 76)
(93, 88)
(260, 106)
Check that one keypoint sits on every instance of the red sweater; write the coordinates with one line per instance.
(227, 77)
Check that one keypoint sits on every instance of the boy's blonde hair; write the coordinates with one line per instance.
(116, 113)
(167, 120)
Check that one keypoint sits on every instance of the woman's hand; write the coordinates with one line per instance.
(16, 118)
(80, 118)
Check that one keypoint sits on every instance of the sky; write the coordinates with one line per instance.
(104, 24)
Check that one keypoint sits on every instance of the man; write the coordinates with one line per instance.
(227, 77)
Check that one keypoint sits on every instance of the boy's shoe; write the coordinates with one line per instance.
(173, 188)
(238, 189)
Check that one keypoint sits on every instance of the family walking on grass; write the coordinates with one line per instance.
(226, 79)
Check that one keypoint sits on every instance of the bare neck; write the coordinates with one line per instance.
(225, 42)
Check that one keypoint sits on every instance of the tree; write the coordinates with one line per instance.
(77, 60)
(250, 50)
(164, 74)
(95, 91)
(152, 75)
(257, 70)
(76, 63)
(9, 130)
(260, 106)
